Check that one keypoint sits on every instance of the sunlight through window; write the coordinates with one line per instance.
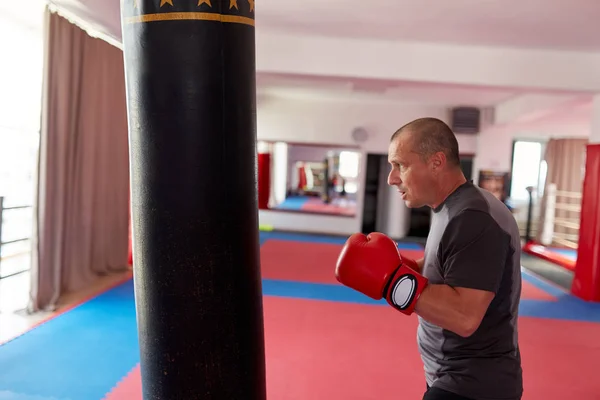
(527, 157)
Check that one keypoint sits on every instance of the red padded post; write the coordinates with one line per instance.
(586, 283)
(264, 180)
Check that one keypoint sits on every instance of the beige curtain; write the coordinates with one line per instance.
(81, 209)
(565, 160)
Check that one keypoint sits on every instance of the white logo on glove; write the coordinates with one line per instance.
(404, 291)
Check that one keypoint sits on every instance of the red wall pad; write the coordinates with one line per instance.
(549, 255)
(586, 283)
(264, 180)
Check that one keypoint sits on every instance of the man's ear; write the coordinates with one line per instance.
(438, 160)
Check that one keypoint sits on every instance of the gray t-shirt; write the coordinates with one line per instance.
(474, 243)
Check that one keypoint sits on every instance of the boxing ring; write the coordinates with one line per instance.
(570, 229)
(559, 238)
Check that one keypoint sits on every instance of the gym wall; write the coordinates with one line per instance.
(327, 122)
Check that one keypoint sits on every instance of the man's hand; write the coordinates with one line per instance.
(373, 266)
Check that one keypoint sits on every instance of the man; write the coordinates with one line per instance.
(466, 290)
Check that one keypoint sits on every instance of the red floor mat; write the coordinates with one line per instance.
(327, 350)
(529, 291)
(317, 205)
(560, 359)
(130, 388)
(315, 262)
(304, 262)
(297, 261)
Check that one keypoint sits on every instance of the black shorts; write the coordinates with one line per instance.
(434, 393)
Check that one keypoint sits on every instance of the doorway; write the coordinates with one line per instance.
(420, 218)
(371, 198)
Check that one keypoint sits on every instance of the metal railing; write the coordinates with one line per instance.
(3, 243)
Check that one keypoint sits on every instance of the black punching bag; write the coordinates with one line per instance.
(191, 99)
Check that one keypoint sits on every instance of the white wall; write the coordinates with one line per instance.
(311, 223)
(303, 121)
(327, 122)
(494, 145)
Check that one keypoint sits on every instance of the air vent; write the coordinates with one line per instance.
(465, 120)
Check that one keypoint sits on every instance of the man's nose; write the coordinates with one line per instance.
(393, 178)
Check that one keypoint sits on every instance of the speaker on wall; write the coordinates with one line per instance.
(465, 119)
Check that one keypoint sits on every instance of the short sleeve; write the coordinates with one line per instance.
(474, 251)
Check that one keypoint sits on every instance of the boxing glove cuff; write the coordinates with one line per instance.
(405, 288)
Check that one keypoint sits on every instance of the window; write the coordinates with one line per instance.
(21, 76)
(526, 168)
(349, 161)
(348, 169)
(542, 180)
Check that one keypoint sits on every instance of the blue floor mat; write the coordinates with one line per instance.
(95, 342)
(292, 203)
(570, 254)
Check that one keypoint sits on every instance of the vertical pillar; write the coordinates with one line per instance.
(190, 74)
(547, 234)
(529, 214)
(586, 282)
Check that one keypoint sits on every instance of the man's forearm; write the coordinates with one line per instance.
(443, 306)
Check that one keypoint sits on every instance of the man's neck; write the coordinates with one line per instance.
(447, 185)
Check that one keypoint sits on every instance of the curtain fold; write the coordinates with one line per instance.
(565, 161)
(81, 207)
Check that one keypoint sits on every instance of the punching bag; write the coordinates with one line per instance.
(190, 75)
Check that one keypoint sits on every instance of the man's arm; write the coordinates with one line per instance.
(459, 310)
(474, 257)
(474, 251)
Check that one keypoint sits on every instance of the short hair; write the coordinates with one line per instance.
(431, 135)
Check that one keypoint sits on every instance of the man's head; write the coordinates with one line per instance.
(425, 161)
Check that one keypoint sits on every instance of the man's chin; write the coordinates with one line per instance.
(411, 204)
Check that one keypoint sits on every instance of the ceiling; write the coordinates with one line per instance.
(379, 91)
(561, 25)
(541, 24)
(564, 25)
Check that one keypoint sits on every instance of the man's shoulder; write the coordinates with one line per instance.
(474, 228)
(477, 208)
(469, 197)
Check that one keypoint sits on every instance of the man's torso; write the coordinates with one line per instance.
(487, 364)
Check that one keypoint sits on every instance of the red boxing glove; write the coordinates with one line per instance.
(372, 265)
(366, 263)
(406, 285)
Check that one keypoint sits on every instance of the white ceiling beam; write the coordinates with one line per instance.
(279, 52)
(534, 106)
